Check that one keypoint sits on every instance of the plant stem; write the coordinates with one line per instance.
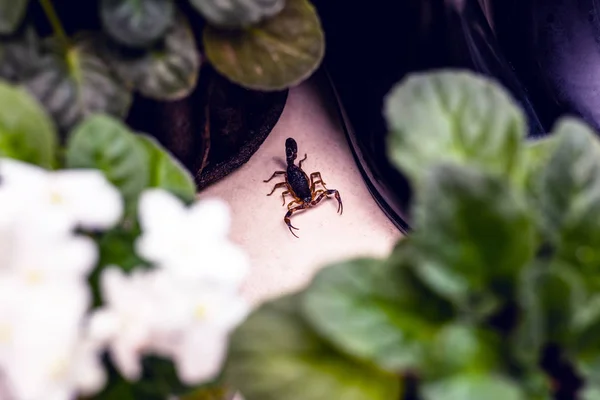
(57, 27)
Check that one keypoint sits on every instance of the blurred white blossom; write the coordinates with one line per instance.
(185, 307)
(44, 294)
(191, 241)
(82, 197)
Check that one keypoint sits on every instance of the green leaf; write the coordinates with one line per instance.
(137, 23)
(375, 311)
(237, 13)
(11, 14)
(590, 392)
(550, 296)
(475, 230)
(77, 84)
(473, 387)
(585, 336)
(104, 143)
(167, 71)
(274, 355)
(214, 392)
(459, 347)
(453, 117)
(26, 131)
(166, 171)
(568, 195)
(272, 55)
(20, 56)
(117, 247)
(537, 155)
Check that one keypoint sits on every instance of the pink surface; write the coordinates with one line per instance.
(280, 262)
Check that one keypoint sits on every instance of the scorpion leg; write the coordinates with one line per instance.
(286, 219)
(277, 186)
(293, 202)
(283, 196)
(315, 178)
(327, 194)
(301, 161)
(276, 173)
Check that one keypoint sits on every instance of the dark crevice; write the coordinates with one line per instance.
(566, 382)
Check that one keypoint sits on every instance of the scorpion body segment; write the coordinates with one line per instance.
(301, 186)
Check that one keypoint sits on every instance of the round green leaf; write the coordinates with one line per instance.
(26, 131)
(550, 297)
(20, 56)
(473, 387)
(167, 172)
(137, 23)
(453, 117)
(77, 84)
(11, 14)
(375, 311)
(237, 13)
(275, 54)
(475, 227)
(274, 355)
(100, 142)
(568, 196)
(168, 71)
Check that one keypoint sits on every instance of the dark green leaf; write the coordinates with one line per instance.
(473, 387)
(549, 297)
(167, 172)
(473, 229)
(137, 23)
(26, 131)
(585, 343)
(453, 117)
(274, 355)
(117, 247)
(237, 13)
(168, 71)
(568, 195)
(272, 55)
(106, 144)
(375, 311)
(20, 55)
(77, 84)
(11, 14)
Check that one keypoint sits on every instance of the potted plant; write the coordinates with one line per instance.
(493, 294)
(209, 80)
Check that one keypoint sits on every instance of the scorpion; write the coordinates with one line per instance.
(298, 186)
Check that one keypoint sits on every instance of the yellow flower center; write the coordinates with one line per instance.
(34, 277)
(5, 333)
(56, 198)
(58, 368)
(200, 311)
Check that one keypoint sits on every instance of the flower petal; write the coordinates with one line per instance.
(88, 196)
(200, 356)
(211, 218)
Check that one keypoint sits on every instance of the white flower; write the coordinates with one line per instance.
(159, 312)
(44, 293)
(199, 347)
(41, 348)
(191, 241)
(81, 197)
